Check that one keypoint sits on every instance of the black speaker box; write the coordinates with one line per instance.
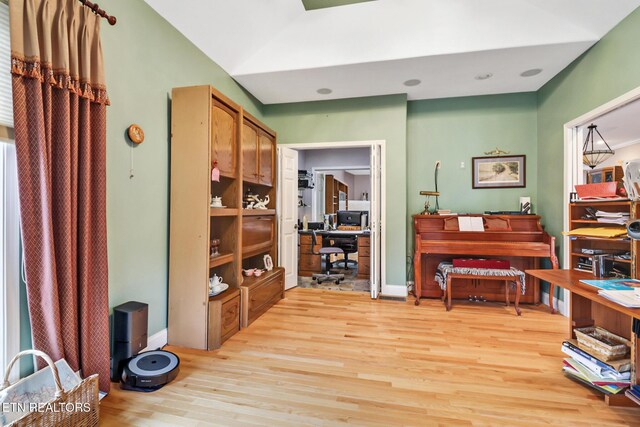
(129, 333)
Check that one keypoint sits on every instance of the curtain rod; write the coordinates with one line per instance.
(96, 9)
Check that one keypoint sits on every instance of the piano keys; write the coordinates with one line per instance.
(517, 238)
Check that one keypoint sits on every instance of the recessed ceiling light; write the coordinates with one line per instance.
(484, 76)
(412, 82)
(532, 72)
(324, 91)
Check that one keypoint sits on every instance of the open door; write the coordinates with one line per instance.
(288, 214)
(375, 221)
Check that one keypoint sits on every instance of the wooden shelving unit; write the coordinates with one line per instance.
(209, 129)
(587, 307)
(610, 245)
(332, 190)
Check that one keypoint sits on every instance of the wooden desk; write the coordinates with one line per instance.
(587, 308)
(309, 263)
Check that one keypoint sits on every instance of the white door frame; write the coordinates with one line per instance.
(384, 287)
(573, 175)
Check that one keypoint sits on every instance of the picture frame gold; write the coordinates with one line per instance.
(499, 172)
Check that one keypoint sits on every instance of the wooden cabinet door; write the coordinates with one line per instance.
(223, 138)
(266, 155)
(249, 153)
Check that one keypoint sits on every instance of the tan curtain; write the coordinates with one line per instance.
(60, 100)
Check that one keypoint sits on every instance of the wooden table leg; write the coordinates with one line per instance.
(448, 304)
(506, 292)
(417, 274)
(518, 293)
(551, 294)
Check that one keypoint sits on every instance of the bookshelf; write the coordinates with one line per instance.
(578, 245)
(587, 308)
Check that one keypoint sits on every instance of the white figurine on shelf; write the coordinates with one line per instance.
(256, 203)
(261, 204)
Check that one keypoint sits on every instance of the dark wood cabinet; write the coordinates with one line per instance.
(224, 130)
(266, 148)
(308, 263)
(258, 154)
(249, 152)
(261, 293)
(364, 258)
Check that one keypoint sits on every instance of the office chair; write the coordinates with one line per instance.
(326, 251)
(349, 245)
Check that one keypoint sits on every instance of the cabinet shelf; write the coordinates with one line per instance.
(226, 295)
(221, 259)
(223, 211)
(257, 250)
(258, 212)
(626, 261)
(593, 221)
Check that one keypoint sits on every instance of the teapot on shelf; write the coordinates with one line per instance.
(214, 282)
(216, 201)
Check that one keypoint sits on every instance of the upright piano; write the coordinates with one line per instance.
(517, 238)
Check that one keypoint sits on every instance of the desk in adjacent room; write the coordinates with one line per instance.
(309, 263)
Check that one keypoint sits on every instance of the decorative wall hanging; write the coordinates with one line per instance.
(136, 134)
(499, 172)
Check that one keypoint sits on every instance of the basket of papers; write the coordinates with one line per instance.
(608, 346)
(54, 396)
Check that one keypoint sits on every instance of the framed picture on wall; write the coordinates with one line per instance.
(499, 172)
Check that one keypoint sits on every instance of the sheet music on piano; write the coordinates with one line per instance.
(470, 223)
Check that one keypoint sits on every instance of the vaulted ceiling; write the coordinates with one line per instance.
(282, 53)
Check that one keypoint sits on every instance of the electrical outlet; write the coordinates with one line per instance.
(461, 165)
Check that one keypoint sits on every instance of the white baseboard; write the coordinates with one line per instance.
(560, 305)
(394, 291)
(156, 341)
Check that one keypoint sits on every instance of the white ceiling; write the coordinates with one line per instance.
(620, 127)
(281, 53)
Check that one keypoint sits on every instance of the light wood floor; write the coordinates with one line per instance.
(331, 358)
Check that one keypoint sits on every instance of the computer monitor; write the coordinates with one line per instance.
(349, 218)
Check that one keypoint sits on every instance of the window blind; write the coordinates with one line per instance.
(6, 103)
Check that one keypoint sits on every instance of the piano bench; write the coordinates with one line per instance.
(446, 273)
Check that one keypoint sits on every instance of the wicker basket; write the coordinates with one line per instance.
(606, 345)
(84, 394)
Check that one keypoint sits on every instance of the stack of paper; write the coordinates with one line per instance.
(605, 232)
(593, 372)
(612, 217)
(624, 298)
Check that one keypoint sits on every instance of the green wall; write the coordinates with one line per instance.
(145, 57)
(608, 70)
(358, 119)
(454, 130)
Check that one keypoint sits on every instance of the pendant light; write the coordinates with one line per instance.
(591, 156)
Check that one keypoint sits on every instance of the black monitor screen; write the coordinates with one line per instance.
(349, 217)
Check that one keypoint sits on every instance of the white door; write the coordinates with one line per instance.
(288, 214)
(375, 221)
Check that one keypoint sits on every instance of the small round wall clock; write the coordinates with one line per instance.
(136, 134)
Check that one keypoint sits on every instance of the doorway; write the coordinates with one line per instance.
(339, 203)
(618, 133)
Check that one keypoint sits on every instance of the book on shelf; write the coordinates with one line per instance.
(600, 373)
(613, 284)
(620, 365)
(626, 298)
(578, 370)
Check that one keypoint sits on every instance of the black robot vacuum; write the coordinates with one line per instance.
(150, 370)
